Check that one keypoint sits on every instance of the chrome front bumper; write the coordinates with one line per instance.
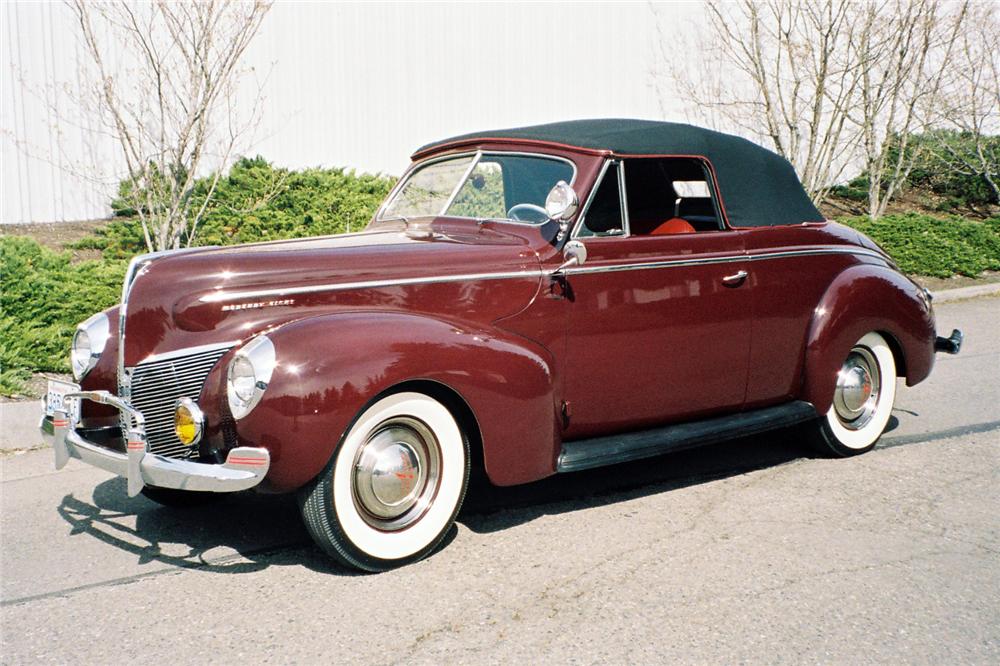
(244, 468)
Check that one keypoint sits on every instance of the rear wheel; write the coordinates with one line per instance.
(393, 487)
(862, 399)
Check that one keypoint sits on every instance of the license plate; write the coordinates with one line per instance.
(55, 398)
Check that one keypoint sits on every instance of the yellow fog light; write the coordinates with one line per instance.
(188, 421)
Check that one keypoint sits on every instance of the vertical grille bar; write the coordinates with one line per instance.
(157, 384)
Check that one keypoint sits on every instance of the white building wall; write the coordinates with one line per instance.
(358, 85)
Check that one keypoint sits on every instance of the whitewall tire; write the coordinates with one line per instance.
(863, 399)
(393, 487)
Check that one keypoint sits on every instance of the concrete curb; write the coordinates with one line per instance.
(962, 293)
(19, 420)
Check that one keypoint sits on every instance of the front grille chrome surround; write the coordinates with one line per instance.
(156, 384)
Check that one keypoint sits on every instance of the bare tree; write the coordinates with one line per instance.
(164, 79)
(903, 48)
(828, 84)
(780, 72)
(970, 102)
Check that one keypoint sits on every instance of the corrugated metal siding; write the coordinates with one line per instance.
(358, 85)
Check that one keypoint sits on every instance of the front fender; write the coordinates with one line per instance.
(861, 299)
(330, 367)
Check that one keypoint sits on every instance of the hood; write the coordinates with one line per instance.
(448, 268)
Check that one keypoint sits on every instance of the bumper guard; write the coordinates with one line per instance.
(950, 345)
(244, 468)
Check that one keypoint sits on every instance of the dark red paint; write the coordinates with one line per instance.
(621, 350)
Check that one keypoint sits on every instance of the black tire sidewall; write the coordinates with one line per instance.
(320, 516)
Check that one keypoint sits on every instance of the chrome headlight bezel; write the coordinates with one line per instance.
(89, 341)
(257, 356)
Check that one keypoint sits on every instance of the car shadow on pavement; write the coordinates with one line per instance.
(247, 532)
(491, 509)
(238, 533)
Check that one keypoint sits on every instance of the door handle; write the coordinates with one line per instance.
(736, 278)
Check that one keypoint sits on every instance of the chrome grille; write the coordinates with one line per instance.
(157, 384)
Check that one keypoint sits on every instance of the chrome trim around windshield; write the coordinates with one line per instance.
(477, 156)
(461, 182)
(581, 220)
(623, 195)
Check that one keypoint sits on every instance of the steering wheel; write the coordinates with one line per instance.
(526, 212)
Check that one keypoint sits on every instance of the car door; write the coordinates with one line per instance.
(659, 324)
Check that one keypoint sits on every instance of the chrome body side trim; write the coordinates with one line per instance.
(245, 467)
(222, 296)
(726, 259)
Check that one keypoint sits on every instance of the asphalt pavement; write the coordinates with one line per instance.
(752, 551)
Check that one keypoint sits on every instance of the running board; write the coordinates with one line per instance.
(613, 449)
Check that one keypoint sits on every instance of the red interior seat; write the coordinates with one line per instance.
(675, 225)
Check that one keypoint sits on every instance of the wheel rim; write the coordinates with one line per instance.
(856, 397)
(397, 472)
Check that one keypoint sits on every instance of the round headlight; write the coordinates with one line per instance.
(243, 379)
(80, 353)
(248, 375)
(88, 344)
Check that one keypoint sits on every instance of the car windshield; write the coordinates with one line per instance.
(485, 185)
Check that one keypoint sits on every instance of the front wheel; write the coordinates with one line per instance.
(862, 399)
(393, 487)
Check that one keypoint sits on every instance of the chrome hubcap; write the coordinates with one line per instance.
(856, 396)
(396, 474)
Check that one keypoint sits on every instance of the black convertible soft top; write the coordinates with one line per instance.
(758, 187)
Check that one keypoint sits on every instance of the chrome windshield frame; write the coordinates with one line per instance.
(477, 155)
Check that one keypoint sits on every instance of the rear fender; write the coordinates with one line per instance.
(329, 368)
(862, 299)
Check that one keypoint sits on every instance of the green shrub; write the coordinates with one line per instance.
(44, 297)
(257, 202)
(934, 172)
(937, 247)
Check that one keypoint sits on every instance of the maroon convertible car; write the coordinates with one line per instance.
(526, 302)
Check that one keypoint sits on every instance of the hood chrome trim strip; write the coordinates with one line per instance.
(223, 296)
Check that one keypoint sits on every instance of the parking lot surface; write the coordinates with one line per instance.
(753, 550)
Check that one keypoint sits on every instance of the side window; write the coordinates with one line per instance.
(603, 216)
(669, 196)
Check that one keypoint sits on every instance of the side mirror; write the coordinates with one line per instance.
(560, 205)
(574, 254)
